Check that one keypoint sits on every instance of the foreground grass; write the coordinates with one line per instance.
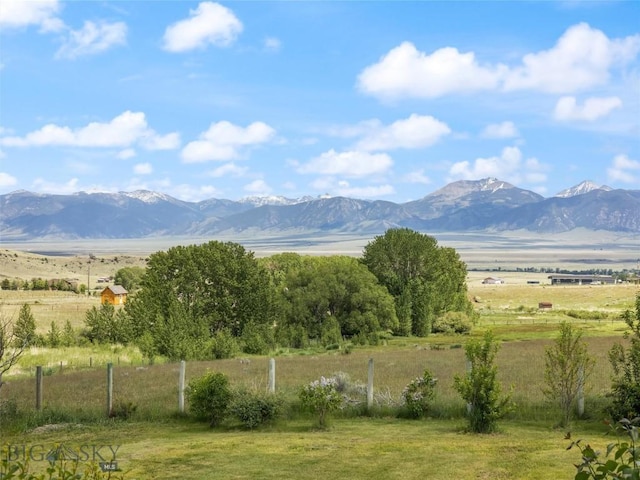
(371, 448)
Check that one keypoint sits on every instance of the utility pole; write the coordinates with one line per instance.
(88, 278)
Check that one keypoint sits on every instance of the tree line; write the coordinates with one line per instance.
(216, 299)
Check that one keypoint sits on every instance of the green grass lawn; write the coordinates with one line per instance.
(357, 448)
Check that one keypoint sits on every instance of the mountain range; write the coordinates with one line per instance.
(467, 205)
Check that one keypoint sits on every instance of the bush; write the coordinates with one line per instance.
(626, 369)
(624, 463)
(480, 387)
(253, 409)
(452, 322)
(257, 339)
(587, 314)
(209, 397)
(419, 393)
(321, 397)
(224, 345)
(123, 410)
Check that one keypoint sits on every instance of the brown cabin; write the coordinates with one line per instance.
(115, 295)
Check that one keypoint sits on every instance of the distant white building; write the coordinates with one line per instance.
(493, 281)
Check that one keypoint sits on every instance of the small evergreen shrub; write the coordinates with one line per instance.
(209, 397)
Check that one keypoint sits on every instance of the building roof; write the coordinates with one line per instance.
(570, 276)
(117, 290)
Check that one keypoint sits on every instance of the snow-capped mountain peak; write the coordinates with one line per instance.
(580, 189)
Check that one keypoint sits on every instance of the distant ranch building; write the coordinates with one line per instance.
(568, 279)
(493, 281)
(115, 295)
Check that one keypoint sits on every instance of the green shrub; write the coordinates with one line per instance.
(224, 345)
(480, 387)
(253, 409)
(321, 397)
(257, 339)
(586, 314)
(123, 410)
(625, 389)
(452, 322)
(209, 397)
(419, 393)
(623, 465)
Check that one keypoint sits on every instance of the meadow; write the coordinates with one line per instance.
(156, 442)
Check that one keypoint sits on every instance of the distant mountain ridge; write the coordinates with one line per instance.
(582, 188)
(467, 205)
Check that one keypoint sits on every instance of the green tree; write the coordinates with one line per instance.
(107, 325)
(625, 389)
(68, 338)
(567, 366)
(480, 387)
(24, 331)
(424, 279)
(10, 350)
(198, 290)
(129, 277)
(54, 338)
(334, 297)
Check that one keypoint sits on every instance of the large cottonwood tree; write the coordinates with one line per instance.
(425, 280)
(189, 293)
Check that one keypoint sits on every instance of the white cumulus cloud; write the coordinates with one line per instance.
(258, 187)
(124, 130)
(417, 131)
(143, 169)
(42, 185)
(581, 59)
(567, 108)
(223, 141)
(272, 44)
(509, 166)
(92, 38)
(126, 154)
(625, 170)
(406, 72)
(349, 164)
(7, 180)
(500, 130)
(228, 169)
(23, 13)
(417, 176)
(210, 23)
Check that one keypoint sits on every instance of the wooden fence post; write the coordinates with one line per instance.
(469, 368)
(272, 375)
(39, 387)
(580, 392)
(370, 385)
(183, 366)
(109, 389)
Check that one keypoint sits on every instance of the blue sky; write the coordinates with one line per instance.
(372, 100)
